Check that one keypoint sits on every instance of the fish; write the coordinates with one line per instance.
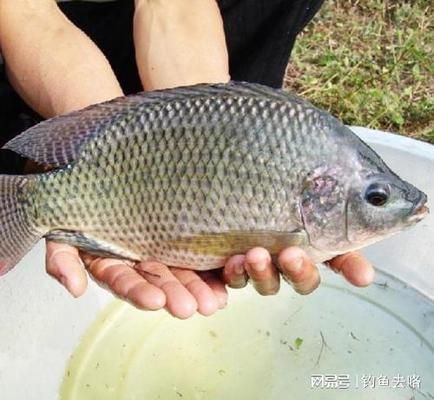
(192, 175)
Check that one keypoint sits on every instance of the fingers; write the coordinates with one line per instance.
(125, 282)
(214, 280)
(179, 301)
(264, 275)
(234, 273)
(152, 285)
(64, 264)
(207, 301)
(295, 266)
(355, 268)
(298, 270)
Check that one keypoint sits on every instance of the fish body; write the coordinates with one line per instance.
(192, 175)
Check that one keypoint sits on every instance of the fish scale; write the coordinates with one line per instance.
(190, 176)
(206, 170)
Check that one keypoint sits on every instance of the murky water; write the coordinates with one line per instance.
(338, 343)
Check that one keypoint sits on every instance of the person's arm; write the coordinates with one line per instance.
(179, 43)
(52, 64)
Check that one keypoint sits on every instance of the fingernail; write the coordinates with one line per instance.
(238, 283)
(305, 288)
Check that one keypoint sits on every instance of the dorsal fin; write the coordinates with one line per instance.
(57, 141)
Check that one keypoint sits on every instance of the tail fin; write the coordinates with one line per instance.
(16, 236)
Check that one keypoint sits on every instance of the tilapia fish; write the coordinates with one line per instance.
(192, 175)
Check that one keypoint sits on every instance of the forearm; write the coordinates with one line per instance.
(53, 65)
(179, 42)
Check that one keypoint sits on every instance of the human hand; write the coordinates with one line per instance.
(183, 292)
(295, 267)
(146, 285)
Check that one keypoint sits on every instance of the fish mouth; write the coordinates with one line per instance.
(420, 210)
(420, 213)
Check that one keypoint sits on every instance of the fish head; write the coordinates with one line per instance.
(381, 204)
(344, 208)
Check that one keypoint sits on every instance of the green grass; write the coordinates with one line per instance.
(370, 63)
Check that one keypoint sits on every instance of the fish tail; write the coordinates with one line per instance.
(17, 236)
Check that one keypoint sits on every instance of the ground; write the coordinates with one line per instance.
(370, 63)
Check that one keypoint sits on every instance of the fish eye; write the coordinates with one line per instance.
(377, 194)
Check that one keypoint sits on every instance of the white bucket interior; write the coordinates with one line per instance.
(40, 324)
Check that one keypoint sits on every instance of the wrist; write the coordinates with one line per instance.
(179, 43)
